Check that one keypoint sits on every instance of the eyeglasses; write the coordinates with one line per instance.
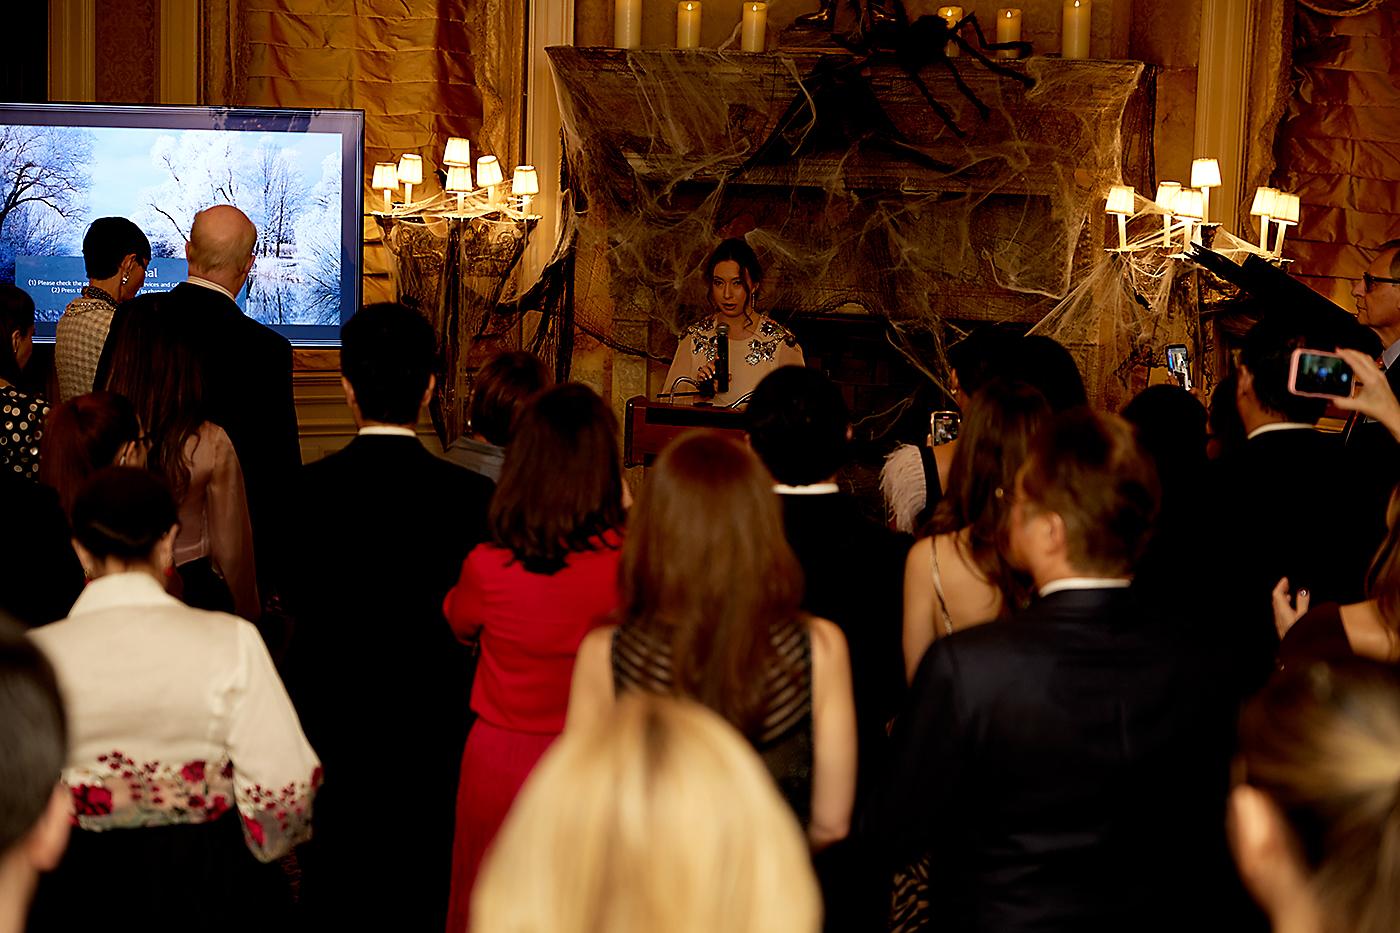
(1371, 281)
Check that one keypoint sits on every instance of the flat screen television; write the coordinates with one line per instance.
(297, 173)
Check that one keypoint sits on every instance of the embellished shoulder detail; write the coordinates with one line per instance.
(769, 335)
(703, 339)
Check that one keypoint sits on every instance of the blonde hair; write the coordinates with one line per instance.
(659, 817)
(1324, 743)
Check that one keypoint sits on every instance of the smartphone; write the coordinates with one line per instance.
(1177, 364)
(943, 426)
(1320, 374)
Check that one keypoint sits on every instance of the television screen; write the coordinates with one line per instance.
(298, 174)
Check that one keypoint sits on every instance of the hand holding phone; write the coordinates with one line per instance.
(1320, 374)
(1373, 397)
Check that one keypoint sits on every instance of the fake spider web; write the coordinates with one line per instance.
(855, 195)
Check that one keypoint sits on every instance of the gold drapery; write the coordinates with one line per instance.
(421, 71)
(1339, 144)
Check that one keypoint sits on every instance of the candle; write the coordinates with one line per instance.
(1167, 193)
(1121, 203)
(1074, 41)
(951, 14)
(688, 24)
(1008, 30)
(1265, 200)
(410, 173)
(1205, 174)
(627, 24)
(755, 27)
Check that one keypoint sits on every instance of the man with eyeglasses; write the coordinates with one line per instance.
(1377, 295)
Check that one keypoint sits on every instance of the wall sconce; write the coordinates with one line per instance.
(524, 185)
(386, 179)
(1285, 215)
(1205, 175)
(1121, 204)
(410, 173)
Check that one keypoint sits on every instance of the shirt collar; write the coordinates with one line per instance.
(214, 286)
(389, 429)
(1391, 354)
(815, 489)
(1085, 583)
(1280, 426)
(134, 588)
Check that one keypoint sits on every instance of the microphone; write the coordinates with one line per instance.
(722, 359)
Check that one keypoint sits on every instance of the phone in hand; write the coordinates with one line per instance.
(1319, 374)
(1178, 364)
(943, 426)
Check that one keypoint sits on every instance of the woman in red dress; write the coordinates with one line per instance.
(547, 577)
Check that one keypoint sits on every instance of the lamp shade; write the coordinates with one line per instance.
(1167, 194)
(459, 178)
(1120, 200)
(1205, 173)
(411, 169)
(1286, 208)
(459, 152)
(488, 171)
(386, 177)
(1264, 200)
(1190, 203)
(525, 181)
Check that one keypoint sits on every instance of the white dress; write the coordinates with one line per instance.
(750, 358)
(176, 716)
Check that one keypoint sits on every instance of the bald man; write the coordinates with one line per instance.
(247, 367)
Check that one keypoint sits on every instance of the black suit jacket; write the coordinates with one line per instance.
(1067, 770)
(376, 674)
(247, 369)
(854, 572)
(1289, 503)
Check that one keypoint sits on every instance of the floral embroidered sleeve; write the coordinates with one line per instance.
(275, 772)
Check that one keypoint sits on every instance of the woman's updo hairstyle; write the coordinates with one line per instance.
(122, 512)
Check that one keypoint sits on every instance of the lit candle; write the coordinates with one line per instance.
(627, 24)
(1074, 41)
(951, 14)
(755, 27)
(459, 182)
(488, 175)
(1008, 30)
(525, 184)
(688, 24)
(1285, 216)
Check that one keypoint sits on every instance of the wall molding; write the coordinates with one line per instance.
(72, 50)
(179, 52)
(1222, 100)
(549, 22)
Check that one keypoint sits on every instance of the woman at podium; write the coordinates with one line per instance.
(752, 343)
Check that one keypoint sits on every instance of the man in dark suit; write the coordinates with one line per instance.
(377, 675)
(1377, 295)
(246, 366)
(1290, 502)
(1067, 769)
(854, 569)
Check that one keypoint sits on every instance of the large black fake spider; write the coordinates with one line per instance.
(919, 44)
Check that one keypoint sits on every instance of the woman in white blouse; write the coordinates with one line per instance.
(182, 737)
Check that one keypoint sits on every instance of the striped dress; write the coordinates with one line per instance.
(641, 660)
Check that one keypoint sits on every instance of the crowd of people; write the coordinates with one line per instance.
(1115, 672)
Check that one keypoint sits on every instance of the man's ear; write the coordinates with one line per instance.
(349, 391)
(1058, 537)
(44, 845)
(428, 394)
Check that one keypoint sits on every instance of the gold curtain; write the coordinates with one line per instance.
(1339, 143)
(421, 71)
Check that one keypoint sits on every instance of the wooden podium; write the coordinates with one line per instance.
(650, 426)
